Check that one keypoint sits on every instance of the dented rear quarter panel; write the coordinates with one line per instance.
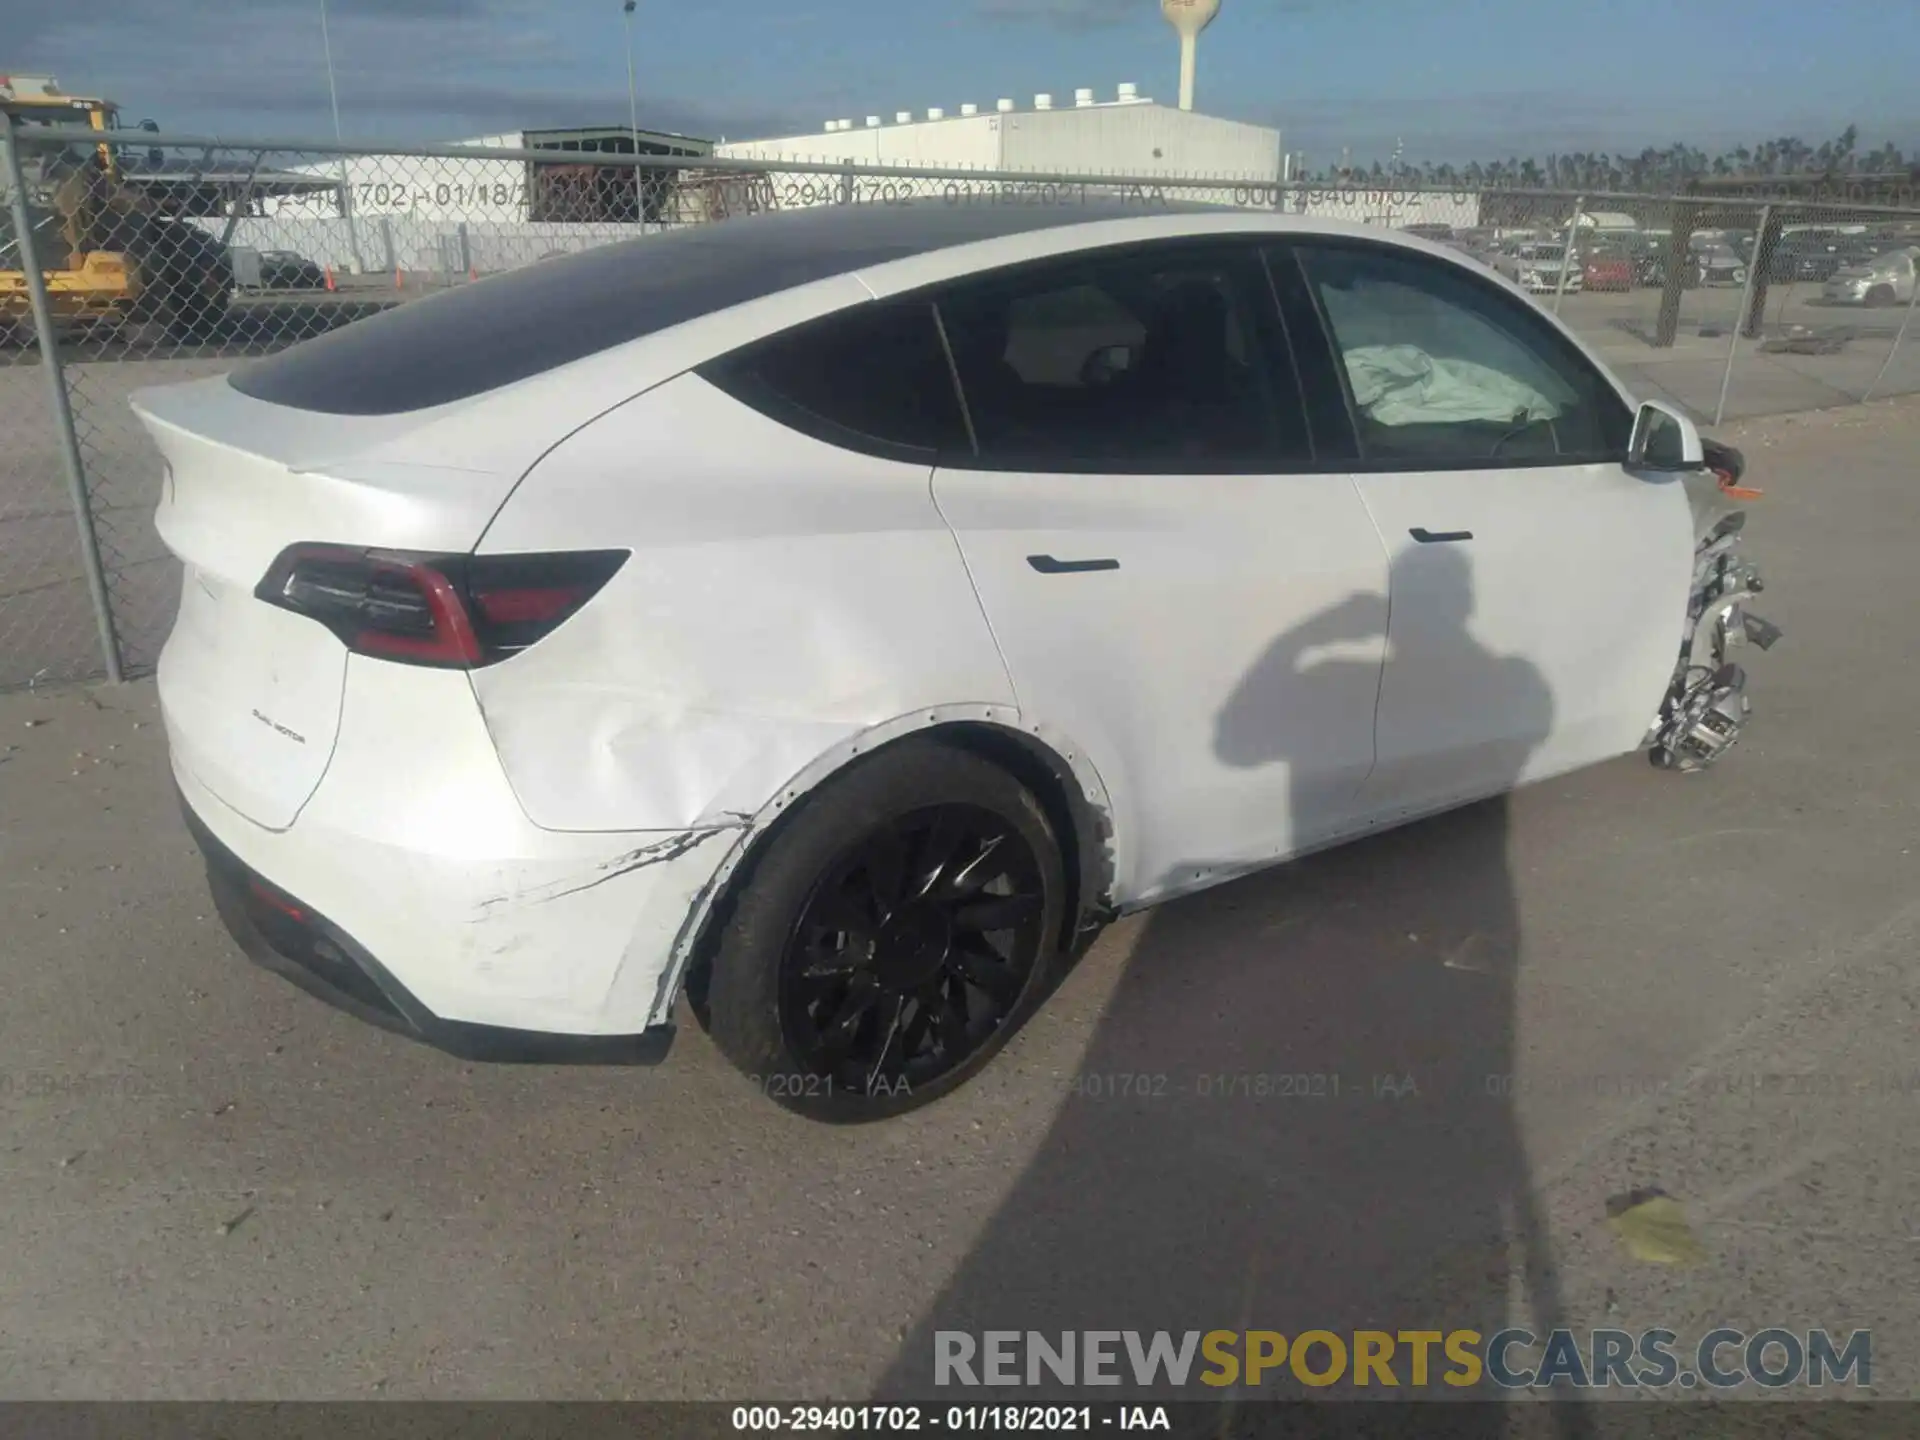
(783, 598)
(501, 923)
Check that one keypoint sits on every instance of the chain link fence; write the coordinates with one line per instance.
(130, 260)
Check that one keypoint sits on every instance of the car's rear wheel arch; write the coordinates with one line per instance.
(1083, 828)
(1059, 780)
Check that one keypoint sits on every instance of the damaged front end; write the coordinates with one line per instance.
(1706, 706)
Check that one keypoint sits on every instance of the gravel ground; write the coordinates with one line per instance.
(217, 1187)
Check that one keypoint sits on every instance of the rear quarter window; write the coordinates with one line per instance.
(874, 378)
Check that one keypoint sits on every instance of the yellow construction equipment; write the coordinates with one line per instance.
(107, 249)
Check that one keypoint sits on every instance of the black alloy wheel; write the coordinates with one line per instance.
(913, 950)
(888, 936)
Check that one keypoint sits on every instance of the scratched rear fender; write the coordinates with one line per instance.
(415, 846)
(698, 682)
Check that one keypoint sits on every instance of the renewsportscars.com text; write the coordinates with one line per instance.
(1511, 1359)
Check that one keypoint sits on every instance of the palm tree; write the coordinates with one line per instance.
(1669, 167)
(1844, 146)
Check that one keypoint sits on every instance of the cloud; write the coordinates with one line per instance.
(405, 69)
(1487, 125)
(447, 69)
(1535, 123)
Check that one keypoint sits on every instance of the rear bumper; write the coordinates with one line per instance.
(443, 910)
(280, 933)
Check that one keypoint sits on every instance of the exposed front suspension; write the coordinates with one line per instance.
(1706, 705)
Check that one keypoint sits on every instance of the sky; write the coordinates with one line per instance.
(1469, 79)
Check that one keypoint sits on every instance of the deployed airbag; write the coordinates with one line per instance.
(1404, 385)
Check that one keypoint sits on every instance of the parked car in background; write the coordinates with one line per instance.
(837, 616)
(1607, 269)
(1536, 267)
(287, 270)
(1805, 255)
(1486, 256)
(1856, 250)
(1709, 261)
(1647, 255)
(1884, 279)
(1718, 263)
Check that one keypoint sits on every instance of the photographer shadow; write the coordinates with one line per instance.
(1293, 1115)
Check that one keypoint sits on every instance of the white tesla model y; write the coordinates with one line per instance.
(835, 616)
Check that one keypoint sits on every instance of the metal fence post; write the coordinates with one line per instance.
(466, 253)
(1746, 309)
(346, 210)
(1753, 322)
(70, 462)
(1898, 335)
(386, 246)
(1566, 251)
(1679, 259)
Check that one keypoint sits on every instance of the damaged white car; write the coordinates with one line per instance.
(837, 616)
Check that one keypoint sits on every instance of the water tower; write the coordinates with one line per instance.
(1189, 17)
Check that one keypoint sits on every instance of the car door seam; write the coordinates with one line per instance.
(1386, 633)
(973, 583)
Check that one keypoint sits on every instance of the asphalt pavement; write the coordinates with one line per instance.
(216, 1187)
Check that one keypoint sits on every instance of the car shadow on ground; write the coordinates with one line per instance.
(1295, 1113)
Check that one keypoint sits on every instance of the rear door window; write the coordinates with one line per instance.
(1165, 359)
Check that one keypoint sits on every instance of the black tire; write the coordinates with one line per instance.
(185, 281)
(782, 973)
(1880, 296)
(197, 309)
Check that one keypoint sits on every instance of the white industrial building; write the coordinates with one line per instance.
(453, 217)
(421, 188)
(1128, 134)
(430, 188)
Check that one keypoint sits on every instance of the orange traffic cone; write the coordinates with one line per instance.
(330, 284)
(399, 278)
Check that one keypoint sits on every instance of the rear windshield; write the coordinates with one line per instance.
(508, 327)
(479, 337)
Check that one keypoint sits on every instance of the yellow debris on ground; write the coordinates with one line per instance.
(1654, 1229)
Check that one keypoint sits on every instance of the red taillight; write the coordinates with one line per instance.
(450, 611)
(265, 893)
(523, 607)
